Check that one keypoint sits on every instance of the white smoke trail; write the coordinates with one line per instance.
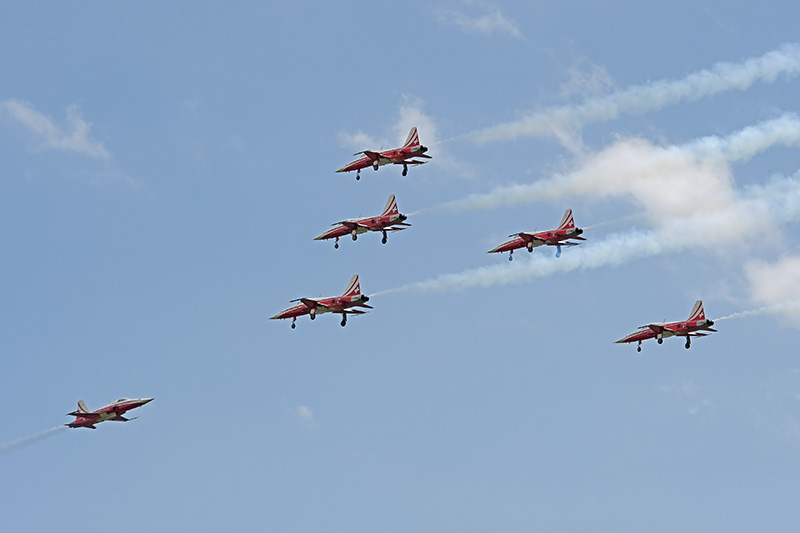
(776, 309)
(30, 439)
(657, 177)
(757, 210)
(614, 250)
(640, 99)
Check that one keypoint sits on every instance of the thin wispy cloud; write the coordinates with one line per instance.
(490, 21)
(74, 135)
(657, 178)
(639, 99)
(776, 286)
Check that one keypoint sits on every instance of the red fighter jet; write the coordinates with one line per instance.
(352, 297)
(399, 156)
(557, 237)
(689, 328)
(112, 411)
(389, 220)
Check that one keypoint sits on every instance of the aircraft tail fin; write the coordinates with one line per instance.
(82, 407)
(353, 288)
(391, 206)
(567, 222)
(412, 139)
(697, 312)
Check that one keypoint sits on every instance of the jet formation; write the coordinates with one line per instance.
(566, 234)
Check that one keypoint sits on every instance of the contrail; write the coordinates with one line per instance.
(767, 310)
(30, 439)
(639, 99)
(614, 250)
(635, 166)
(758, 209)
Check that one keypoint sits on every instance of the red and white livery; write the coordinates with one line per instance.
(557, 237)
(691, 327)
(343, 304)
(113, 411)
(399, 156)
(389, 220)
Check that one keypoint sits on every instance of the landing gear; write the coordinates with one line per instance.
(639, 348)
(358, 174)
(336, 243)
(688, 342)
(661, 340)
(558, 250)
(343, 323)
(313, 315)
(354, 234)
(530, 247)
(375, 166)
(511, 255)
(383, 241)
(293, 322)
(405, 170)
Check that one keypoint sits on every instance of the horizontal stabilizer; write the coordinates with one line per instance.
(354, 311)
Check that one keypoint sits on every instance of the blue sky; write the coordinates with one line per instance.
(165, 169)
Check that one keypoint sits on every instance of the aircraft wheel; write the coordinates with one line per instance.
(358, 177)
(405, 172)
(355, 236)
(660, 341)
(336, 245)
(343, 323)
(375, 167)
(294, 325)
(313, 316)
(687, 345)
(638, 348)
(384, 239)
(510, 257)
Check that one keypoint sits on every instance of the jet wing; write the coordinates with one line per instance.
(349, 224)
(655, 328)
(93, 416)
(529, 237)
(374, 156)
(310, 303)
